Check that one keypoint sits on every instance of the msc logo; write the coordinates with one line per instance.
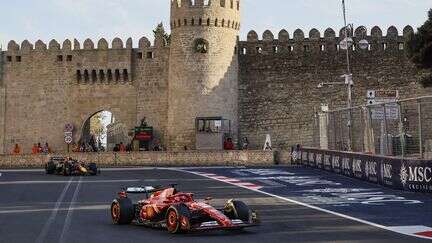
(318, 158)
(335, 162)
(415, 174)
(346, 164)
(387, 171)
(311, 157)
(357, 165)
(371, 168)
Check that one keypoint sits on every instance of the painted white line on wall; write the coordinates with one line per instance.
(47, 226)
(392, 229)
(68, 219)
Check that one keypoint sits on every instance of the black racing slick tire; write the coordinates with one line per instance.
(178, 219)
(238, 210)
(50, 168)
(67, 170)
(93, 170)
(122, 211)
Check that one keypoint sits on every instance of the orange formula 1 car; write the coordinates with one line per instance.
(178, 212)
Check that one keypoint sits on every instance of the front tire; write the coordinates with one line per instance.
(238, 210)
(122, 211)
(178, 219)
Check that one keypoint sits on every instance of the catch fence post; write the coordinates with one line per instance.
(401, 130)
(419, 107)
(386, 132)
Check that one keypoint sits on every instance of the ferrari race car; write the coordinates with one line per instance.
(70, 167)
(178, 212)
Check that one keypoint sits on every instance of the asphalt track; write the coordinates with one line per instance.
(35, 207)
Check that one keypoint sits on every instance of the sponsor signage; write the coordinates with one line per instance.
(383, 96)
(311, 159)
(327, 162)
(410, 175)
(319, 160)
(336, 164)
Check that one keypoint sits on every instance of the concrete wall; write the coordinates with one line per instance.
(189, 158)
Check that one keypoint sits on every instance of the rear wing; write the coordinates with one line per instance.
(146, 189)
(140, 190)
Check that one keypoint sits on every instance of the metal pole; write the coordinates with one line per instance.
(420, 128)
(349, 83)
(334, 130)
(401, 131)
(371, 128)
(385, 130)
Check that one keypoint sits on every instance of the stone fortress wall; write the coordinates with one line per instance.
(263, 85)
(279, 77)
(202, 83)
(50, 86)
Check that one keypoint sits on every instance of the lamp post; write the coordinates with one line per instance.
(348, 80)
(348, 77)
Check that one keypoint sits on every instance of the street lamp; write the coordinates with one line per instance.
(345, 44)
(348, 76)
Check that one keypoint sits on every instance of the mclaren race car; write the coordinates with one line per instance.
(69, 167)
(178, 212)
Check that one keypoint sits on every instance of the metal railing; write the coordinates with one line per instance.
(400, 129)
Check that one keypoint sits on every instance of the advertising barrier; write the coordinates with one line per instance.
(397, 173)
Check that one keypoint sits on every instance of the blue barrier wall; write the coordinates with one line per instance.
(397, 173)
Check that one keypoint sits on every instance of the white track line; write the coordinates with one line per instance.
(310, 206)
(68, 219)
(47, 226)
(131, 169)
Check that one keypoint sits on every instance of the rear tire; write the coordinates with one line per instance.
(93, 170)
(122, 211)
(50, 168)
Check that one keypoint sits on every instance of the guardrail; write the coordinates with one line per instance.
(402, 174)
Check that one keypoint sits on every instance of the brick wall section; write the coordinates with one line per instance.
(279, 92)
(192, 158)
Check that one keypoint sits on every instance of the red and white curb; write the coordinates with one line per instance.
(231, 181)
(417, 230)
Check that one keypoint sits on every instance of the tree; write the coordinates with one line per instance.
(160, 32)
(419, 48)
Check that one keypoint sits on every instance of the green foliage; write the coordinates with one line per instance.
(419, 49)
(160, 32)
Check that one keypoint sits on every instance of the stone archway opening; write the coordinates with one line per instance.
(102, 132)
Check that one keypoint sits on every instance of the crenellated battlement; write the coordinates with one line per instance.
(228, 4)
(86, 63)
(329, 42)
(205, 13)
(88, 44)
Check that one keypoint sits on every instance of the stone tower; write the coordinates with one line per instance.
(203, 71)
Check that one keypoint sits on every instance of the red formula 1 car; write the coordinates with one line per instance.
(178, 212)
